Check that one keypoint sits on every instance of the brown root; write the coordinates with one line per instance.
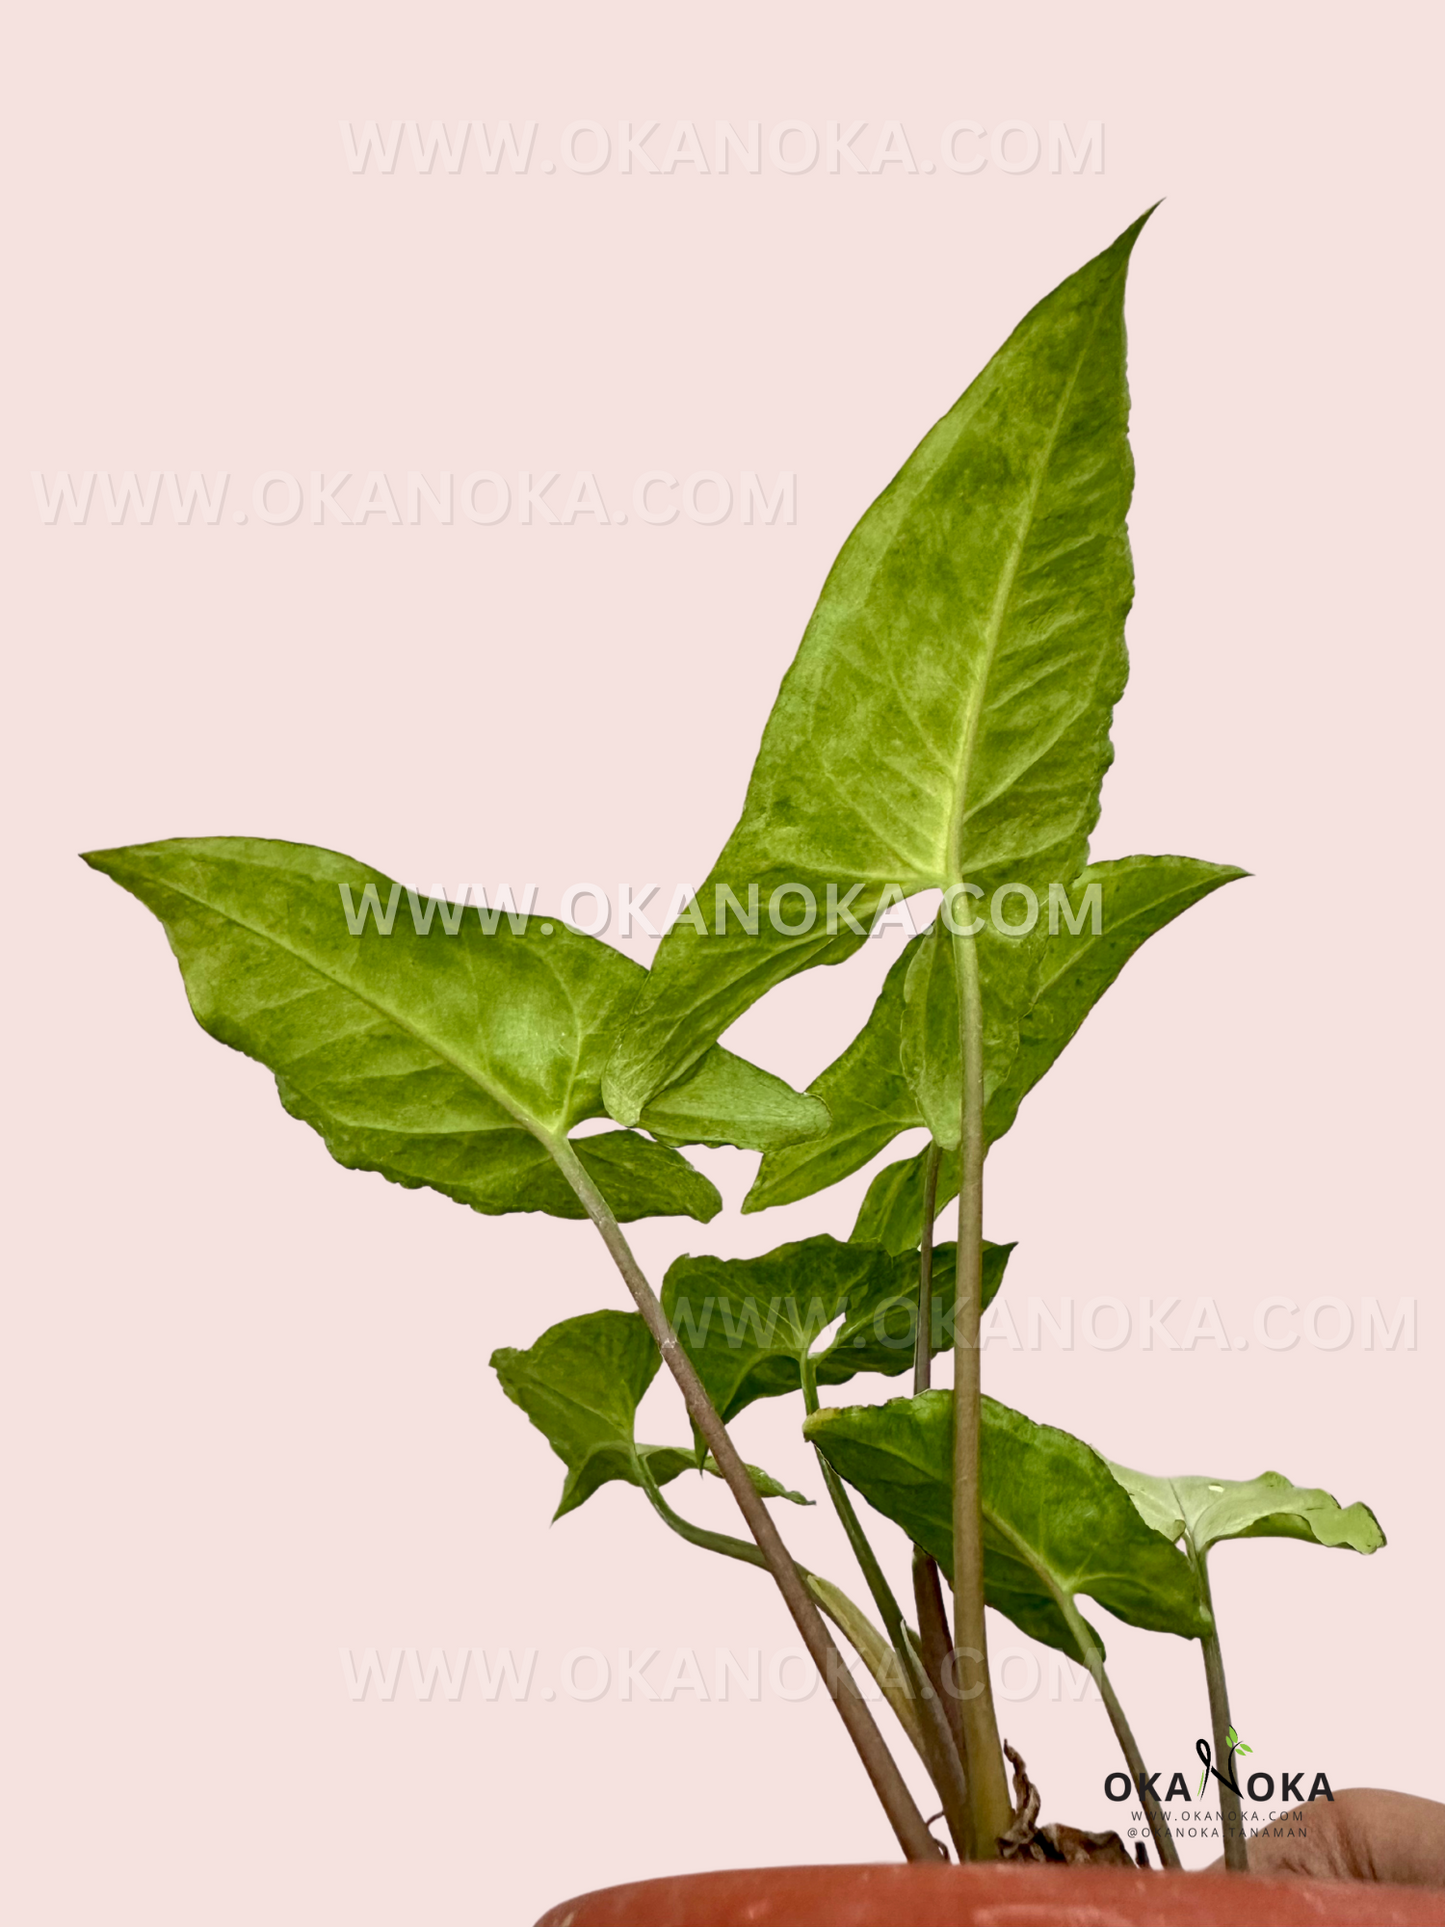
(1074, 1846)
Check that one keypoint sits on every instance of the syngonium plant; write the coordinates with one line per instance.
(944, 728)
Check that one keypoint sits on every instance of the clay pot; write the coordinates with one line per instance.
(996, 1896)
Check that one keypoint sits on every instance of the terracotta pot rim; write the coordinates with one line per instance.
(870, 1893)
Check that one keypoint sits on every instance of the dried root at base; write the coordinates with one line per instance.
(1074, 1846)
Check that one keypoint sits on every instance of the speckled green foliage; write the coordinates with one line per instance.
(581, 1385)
(945, 726)
(1204, 1511)
(451, 1061)
(749, 1324)
(946, 718)
(870, 1095)
(1056, 1522)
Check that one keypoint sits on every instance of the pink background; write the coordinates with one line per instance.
(247, 1415)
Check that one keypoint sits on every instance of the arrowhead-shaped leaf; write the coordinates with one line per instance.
(1204, 1511)
(1053, 1523)
(870, 1096)
(581, 1385)
(748, 1324)
(452, 1060)
(946, 719)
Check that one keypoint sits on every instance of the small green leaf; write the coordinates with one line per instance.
(727, 1100)
(581, 1385)
(928, 1039)
(448, 1059)
(763, 1483)
(868, 1090)
(869, 1102)
(878, 1329)
(748, 1324)
(1053, 1523)
(1203, 1511)
(892, 1211)
(1137, 897)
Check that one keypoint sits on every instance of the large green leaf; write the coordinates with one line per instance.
(1204, 1511)
(749, 1324)
(1054, 1525)
(946, 719)
(870, 1097)
(449, 1060)
(581, 1385)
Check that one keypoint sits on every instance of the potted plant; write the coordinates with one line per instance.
(944, 728)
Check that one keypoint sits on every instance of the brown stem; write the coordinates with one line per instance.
(1158, 1822)
(939, 1753)
(873, 1649)
(923, 1336)
(877, 1655)
(988, 1784)
(1236, 1854)
(878, 1763)
(1123, 1732)
(935, 1641)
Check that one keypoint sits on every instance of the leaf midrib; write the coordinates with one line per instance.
(958, 818)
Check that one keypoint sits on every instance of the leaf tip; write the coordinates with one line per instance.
(1124, 245)
(1374, 1535)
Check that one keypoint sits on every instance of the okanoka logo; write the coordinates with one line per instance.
(1259, 1786)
